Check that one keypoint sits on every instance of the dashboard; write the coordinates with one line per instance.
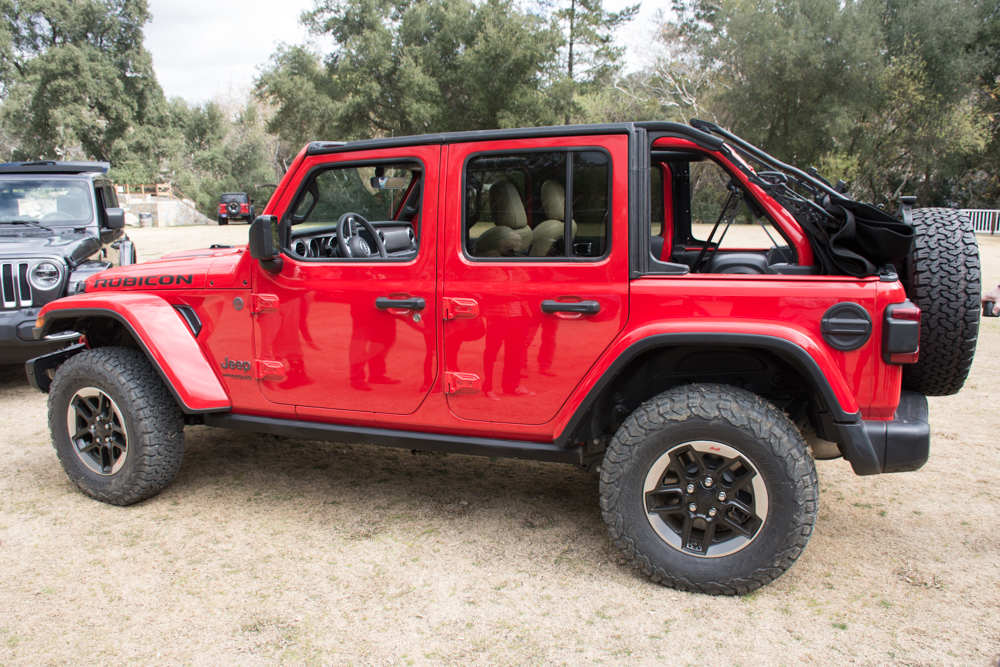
(321, 242)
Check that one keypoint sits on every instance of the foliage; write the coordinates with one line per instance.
(402, 67)
(590, 55)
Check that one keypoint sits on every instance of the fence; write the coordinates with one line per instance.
(985, 221)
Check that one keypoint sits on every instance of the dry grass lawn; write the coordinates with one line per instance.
(269, 551)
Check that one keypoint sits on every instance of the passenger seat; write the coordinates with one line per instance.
(553, 229)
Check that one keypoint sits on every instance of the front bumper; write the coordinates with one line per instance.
(17, 340)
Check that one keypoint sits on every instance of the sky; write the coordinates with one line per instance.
(204, 49)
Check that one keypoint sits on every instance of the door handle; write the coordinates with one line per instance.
(413, 303)
(584, 307)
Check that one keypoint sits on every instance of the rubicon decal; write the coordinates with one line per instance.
(144, 281)
(230, 364)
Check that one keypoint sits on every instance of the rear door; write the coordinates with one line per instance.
(526, 312)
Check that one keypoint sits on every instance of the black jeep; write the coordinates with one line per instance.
(59, 224)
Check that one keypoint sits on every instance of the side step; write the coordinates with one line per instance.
(358, 435)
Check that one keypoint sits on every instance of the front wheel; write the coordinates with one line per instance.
(117, 430)
(709, 488)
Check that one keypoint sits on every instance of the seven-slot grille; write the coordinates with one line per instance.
(16, 289)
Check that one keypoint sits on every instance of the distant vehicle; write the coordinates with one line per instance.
(59, 225)
(235, 206)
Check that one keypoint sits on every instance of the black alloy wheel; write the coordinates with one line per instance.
(97, 431)
(705, 499)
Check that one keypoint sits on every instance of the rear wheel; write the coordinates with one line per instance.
(942, 277)
(709, 488)
(223, 221)
(117, 430)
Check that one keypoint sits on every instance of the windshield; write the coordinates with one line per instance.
(48, 202)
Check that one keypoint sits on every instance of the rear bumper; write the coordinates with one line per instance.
(899, 445)
(903, 444)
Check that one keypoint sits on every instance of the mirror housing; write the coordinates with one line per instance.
(262, 243)
(115, 218)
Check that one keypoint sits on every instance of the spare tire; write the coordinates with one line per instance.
(941, 275)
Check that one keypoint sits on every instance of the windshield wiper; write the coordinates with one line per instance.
(23, 222)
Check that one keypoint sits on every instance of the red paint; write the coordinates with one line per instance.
(167, 338)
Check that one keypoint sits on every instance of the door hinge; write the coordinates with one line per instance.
(461, 383)
(270, 370)
(263, 302)
(460, 308)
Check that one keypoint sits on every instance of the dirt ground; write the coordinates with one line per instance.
(269, 551)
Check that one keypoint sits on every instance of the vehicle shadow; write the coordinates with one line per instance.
(12, 375)
(357, 487)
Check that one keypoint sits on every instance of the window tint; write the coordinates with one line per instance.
(373, 192)
(516, 205)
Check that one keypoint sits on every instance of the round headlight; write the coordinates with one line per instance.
(45, 276)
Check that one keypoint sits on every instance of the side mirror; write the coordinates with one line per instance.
(262, 243)
(115, 217)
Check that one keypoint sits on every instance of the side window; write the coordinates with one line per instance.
(102, 204)
(387, 196)
(374, 193)
(110, 197)
(516, 205)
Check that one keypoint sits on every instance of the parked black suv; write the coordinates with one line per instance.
(59, 224)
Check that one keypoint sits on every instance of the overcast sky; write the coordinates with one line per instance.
(208, 48)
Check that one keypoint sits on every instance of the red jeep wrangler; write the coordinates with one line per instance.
(550, 294)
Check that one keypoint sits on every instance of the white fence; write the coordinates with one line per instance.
(984, 220)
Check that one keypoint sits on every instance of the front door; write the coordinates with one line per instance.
(527, 312)
(340, 326)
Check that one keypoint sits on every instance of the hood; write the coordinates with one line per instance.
(17, 242)
(212, 268)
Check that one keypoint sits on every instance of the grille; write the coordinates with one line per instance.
(16, 289)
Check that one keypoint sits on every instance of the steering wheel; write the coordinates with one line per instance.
(350, 244)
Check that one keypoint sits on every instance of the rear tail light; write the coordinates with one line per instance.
(244, 208)
(901, 333)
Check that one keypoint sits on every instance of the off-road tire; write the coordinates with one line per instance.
(152, 418)
(759, 432)
(942, 277)
(223, 221)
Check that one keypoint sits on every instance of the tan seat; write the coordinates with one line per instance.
(510, 220)
(546, 234)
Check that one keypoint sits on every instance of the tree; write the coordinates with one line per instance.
(789, 75)
(77, 80)
(412, 67)
(591, 56)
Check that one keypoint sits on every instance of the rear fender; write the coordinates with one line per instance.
(810, 358)
(162, 334)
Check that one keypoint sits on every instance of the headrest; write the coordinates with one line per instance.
(506, 206)
(554, 200)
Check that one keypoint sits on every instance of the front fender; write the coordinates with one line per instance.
(161, 333)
